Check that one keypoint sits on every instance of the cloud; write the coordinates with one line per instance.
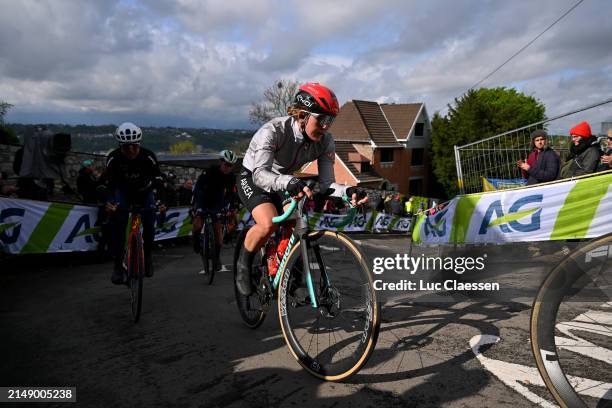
(205, 62)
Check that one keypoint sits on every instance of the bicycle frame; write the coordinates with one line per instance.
(134, 230)
(300, 231)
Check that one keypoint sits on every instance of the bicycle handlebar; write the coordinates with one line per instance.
(280, 218)
(293, 205)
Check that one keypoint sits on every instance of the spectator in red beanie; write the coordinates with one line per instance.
(585, 152)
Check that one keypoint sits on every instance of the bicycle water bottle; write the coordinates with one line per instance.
(280, 251)
(271, 257)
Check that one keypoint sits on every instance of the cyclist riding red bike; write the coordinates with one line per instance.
(279, 148)
(132, 174)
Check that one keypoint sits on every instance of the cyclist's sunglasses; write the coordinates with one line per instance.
(128, 145)
(322, 119)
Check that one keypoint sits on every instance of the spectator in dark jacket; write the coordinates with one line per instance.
(185, 192)
(585, 151)
(542, 163)
(396, 206)
(168, 190)
(87, 183)
(606, 159)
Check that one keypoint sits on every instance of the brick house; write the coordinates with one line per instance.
(382, 146)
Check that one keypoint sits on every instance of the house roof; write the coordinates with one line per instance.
(376, 123)
(349, 125)
(401, 117)
(384, 124)
(342, 150)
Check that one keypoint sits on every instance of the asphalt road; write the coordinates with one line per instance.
(63, 323)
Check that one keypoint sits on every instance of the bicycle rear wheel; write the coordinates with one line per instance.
(253, 308)
(334, 340)
(208, 252)
(571, 327)
(135, 275)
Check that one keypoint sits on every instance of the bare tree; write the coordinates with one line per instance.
(277, 98)
(4, 107)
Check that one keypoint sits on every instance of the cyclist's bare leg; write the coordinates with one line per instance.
(259, 233)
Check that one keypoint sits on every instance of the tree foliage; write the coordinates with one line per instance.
(477, 115)
(277, 98)
(183, 147)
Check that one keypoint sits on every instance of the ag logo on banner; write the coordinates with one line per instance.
(495, 216)
(436, 225)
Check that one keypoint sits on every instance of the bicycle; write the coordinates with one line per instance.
(571, 327)
(338, 303)
(229, 227)
(134, 259)
(207, 245)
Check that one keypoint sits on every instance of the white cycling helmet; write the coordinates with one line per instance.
(128, 133)
(228, 156)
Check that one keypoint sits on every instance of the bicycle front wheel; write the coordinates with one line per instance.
(335, 339)
(571, 327)
(135, 275)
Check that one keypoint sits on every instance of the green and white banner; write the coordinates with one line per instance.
(31, 227)
(571, 209)
(369, 222)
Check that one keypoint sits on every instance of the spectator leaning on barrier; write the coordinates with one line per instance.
(585, 152)
(185, 192)
(606, 159)
(87, 183)
(542, 163)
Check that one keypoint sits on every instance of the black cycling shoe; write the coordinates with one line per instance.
(243, 272)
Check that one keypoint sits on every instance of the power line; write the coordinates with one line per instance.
(527, 45)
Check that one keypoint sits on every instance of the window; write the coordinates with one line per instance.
(386, 155)
(365, 166)
(415, 187)
(417, 157)
(418, 129)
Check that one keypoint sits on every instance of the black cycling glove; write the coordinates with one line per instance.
(295, 186)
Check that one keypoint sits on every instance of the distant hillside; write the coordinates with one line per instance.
(95, 139)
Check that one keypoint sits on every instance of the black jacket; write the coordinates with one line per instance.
(546, 167)
(133, 177)
(214, 189)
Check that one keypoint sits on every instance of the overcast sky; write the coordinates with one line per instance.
(203, 62)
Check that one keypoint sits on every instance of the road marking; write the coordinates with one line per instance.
(513, 375)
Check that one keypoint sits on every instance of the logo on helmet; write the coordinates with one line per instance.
(304, 101)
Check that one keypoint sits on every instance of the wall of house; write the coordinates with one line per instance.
(400, 171)
(424, 141)
(364, 149)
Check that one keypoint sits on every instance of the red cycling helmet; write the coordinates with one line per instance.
(316, 98)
